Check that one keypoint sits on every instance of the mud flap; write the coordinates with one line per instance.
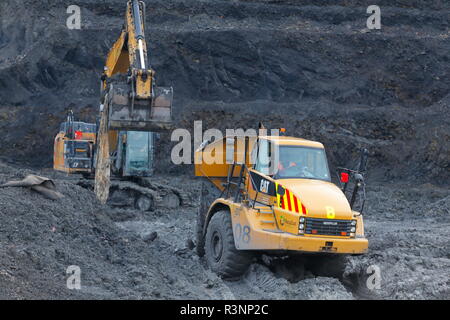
(130, 114)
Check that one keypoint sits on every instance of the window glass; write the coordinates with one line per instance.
(138, 150)
(79, 126)
(263, 159)
(302, 162)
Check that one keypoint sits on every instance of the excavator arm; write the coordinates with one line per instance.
(135, 103)
(130, 100)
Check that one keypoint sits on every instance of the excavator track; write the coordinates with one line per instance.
(165, 191)
(145, 194)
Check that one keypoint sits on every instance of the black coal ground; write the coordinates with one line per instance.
(41, 238)
(308, 66)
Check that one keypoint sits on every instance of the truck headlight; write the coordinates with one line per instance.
(353, 222)
(302, 220)
(302, 226)
(353, 229)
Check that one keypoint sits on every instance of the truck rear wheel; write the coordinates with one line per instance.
(221, 253)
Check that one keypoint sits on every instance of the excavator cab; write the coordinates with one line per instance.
(135, 154)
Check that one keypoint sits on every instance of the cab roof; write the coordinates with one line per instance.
(292, 141)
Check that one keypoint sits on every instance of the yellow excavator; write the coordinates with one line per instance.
(132, 110)
(276, 197)
(130, 101)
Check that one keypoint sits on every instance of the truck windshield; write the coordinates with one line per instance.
(302, 162)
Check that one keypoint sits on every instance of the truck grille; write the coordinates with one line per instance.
(328, 227)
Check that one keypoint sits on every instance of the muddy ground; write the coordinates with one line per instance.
(127, 254)
(308, 66)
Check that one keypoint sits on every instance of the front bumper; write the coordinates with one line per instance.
(270, 240)
(324, 244)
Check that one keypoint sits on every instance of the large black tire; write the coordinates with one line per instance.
(221, 253)
(200, 246)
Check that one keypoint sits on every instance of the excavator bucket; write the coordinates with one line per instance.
(126, 113)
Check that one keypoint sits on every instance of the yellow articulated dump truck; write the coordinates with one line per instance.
(276, 197)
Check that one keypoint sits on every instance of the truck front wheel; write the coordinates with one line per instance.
(221, 253)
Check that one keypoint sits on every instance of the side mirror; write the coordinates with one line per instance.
(344, 177)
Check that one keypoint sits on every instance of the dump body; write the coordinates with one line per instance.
(285, 200)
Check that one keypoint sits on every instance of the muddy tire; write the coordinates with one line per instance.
(221, 253)
(200, 245)
(201, 219)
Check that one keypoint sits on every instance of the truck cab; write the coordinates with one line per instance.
(303, 190)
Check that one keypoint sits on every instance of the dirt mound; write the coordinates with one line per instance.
(413, 261)
(41, 238)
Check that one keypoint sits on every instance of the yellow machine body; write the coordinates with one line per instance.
(74, 147)
(270, 210)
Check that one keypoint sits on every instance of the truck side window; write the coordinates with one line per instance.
(263, 161)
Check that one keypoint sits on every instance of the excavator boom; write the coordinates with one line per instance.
(130, 93)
